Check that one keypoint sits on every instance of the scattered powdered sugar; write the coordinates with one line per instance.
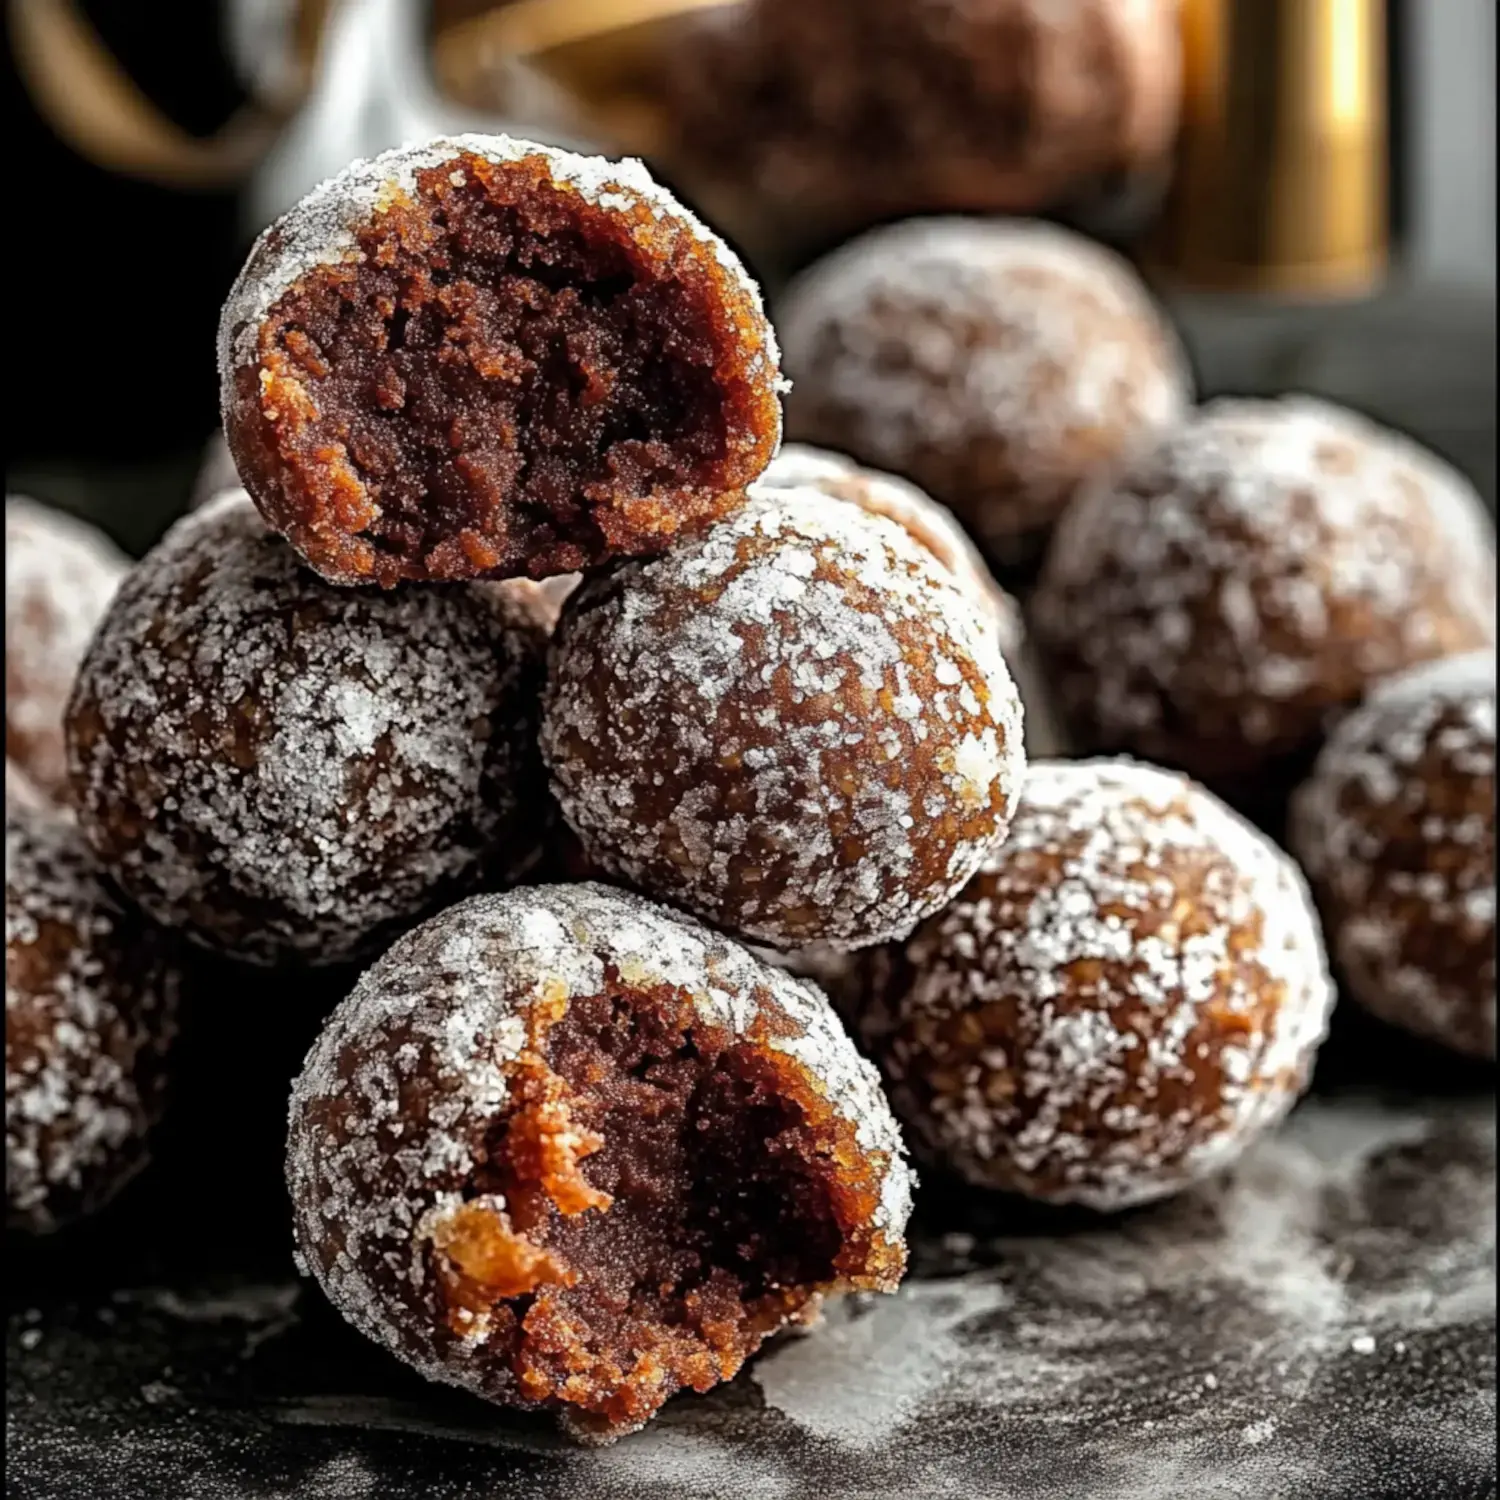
(1396, 827)
(390, 1116)
(90, 1007)
(1131, 991)
(800, 466)
(60, 574)
(796, 725)
(1265, 553)
(936, 335)
(322, 229)
(285, 768)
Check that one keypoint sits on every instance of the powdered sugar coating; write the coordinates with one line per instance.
(1257, 569)
(287, 770)
(1396, 829)
(1129, 992)
(997, 364)
(60, 574)
(90, 1008)
(796, 726)
(416, 1065)
(320, 230)
(801, 466)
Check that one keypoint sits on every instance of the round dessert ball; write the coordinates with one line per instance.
(290, 771)
(483, 358)
(1396, 830)
(797, 726)
(1127, 994)
(996, 364)
(822, 117)
(1212, 605)
(60, 574)
(799, 466)
(90, 1007)
(571, 1151)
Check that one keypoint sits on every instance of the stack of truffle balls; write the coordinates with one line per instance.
(528, 669)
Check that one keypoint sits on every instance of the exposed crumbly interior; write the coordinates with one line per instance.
(90, 1008)
(1259, 568)
(519, 367)
(1396, 828)
(565, 1148)
(670, 1196)
(1129, 992)
(60, 574)
(797, 726)
(997, 364)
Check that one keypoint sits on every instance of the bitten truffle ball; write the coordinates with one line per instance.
(483, 357)
(822, 117)
(996, 364)
(1215, 603)
(290, 771)
(1126, 995)
(569, 1150)
(60, 574)
(798, 726)
(1396, 829)
(90, 1010)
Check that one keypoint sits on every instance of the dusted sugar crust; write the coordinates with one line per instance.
(60, 574)
(798, 726)
(90, 1010)
(802, 466)
(569, 1150)
(484, 358)
(290, 771)
(1396, 829)
(1215, 603)
(998, 365)
(1128, 993)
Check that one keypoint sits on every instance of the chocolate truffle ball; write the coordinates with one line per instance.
(1256, 570)
(798, 726)
(801, 466)
(483, 357)
(1127, 994)
(569, 1150)
(90, 1005)
(805, 120)
(291, 771)
(996, 364)
(60, 574)
(1396, 829)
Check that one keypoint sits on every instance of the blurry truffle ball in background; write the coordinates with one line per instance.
(797, 122)
(996, 364)
(60, 575)
(1125, 996)
(1396, 829)
(1216, 603)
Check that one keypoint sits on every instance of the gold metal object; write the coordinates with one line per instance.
(92, 103)
(1281, 174)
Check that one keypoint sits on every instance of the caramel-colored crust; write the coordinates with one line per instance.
(1396, 829)
(1128, 993)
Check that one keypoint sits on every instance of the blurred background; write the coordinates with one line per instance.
(1308, 184)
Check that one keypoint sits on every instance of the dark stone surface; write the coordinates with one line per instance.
(1320, 1324)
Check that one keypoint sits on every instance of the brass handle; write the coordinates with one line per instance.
(92, 103)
